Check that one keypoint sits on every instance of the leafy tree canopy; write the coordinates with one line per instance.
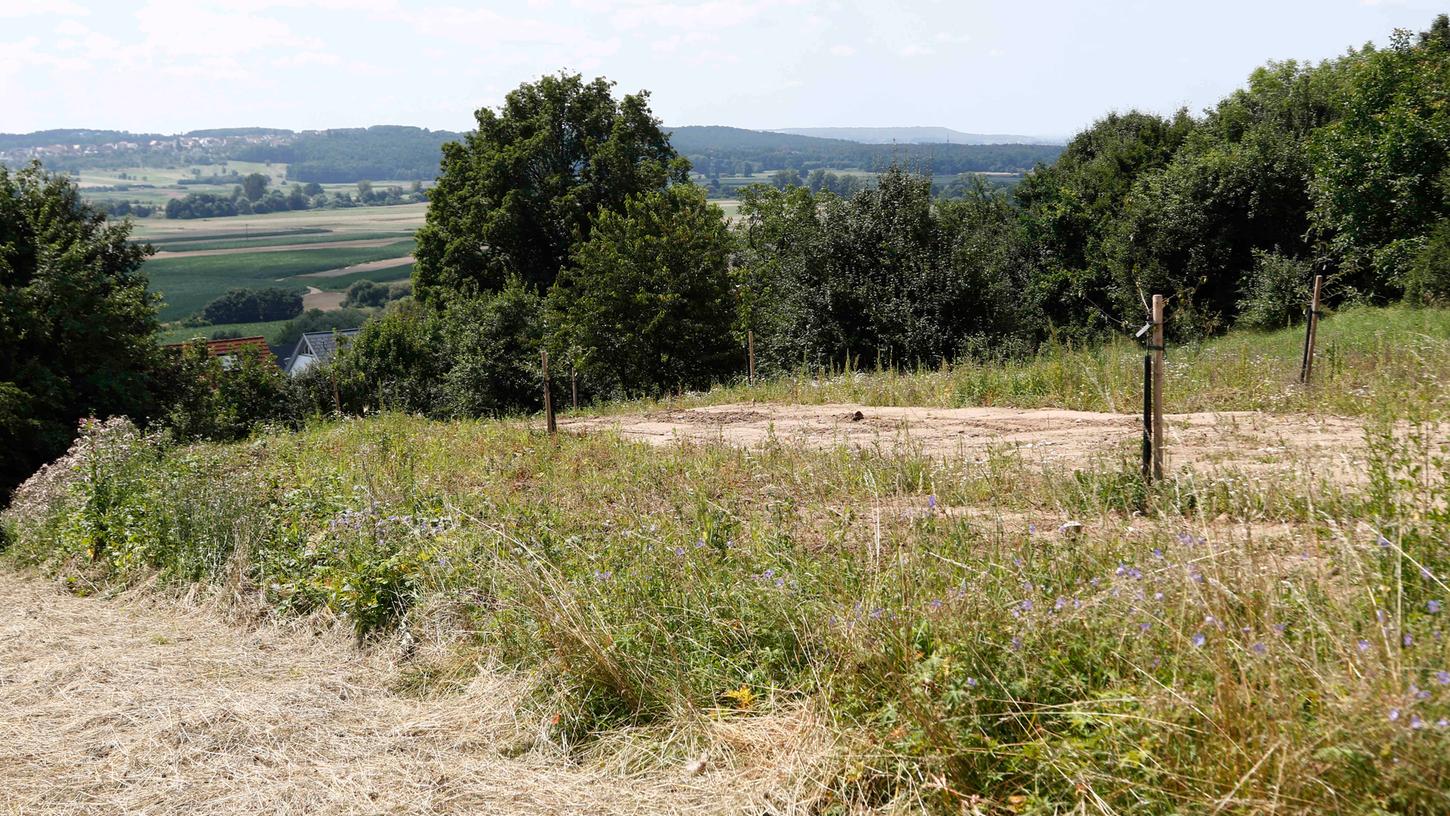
(518, 193)
(76, 321)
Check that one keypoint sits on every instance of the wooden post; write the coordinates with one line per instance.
(549, 423)
(750, 350)
(1157, 386)
(1311, 327)
(1148, 417)
(574, 388)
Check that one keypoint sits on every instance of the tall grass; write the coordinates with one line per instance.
(1211, 643)
(1369, 360)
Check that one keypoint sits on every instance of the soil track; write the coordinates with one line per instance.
(367, 266)
(150, 706)
(1247, 440)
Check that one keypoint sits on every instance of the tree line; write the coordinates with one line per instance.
(566, 222)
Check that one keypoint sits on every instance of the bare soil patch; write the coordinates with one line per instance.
(386, 263)
(1247, 440)
(319, 299)
(145, 705)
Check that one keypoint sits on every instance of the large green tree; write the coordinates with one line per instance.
(647, 304)
(76, 321)
(517, 195)
(1382, 172)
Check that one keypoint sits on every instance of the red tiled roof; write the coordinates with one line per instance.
(232, 345)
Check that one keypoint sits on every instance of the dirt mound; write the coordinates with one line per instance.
(145, 706)
(1248, 440)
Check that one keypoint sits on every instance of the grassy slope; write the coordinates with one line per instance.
(1369, 360)
(1216, 640)
(187, 284)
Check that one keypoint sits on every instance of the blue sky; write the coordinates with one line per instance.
(1029, 66)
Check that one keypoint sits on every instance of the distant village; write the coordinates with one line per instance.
(181, 144)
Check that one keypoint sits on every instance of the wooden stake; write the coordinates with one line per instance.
(750, 349)
(574, 388)
(1148, 417)
(1311, 328)
(549, 423)
(1157, 386)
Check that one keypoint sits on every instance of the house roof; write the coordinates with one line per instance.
(231, 345)
(319, 345)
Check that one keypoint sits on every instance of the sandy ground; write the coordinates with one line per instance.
(326, 301)
(141, 705)
(369, 266)
(1249, 441)
(364, 244)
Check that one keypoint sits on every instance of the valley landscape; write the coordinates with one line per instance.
(697, 470)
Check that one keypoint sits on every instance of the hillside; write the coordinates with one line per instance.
(728, 150)
(913, 135)
(717, 611)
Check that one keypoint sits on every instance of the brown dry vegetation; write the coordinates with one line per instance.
(143, 704)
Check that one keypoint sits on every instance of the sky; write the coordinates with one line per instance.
(1032, 67)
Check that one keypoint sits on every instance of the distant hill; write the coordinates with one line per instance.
(347, 155)
(913, 135)
(722, 150)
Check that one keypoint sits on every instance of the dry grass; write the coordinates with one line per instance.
(145, 704)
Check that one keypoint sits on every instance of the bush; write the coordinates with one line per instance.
(212, 401)
(254, 306)
(1428, 280)
(1276, 292)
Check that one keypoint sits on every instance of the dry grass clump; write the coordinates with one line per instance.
(145, 705)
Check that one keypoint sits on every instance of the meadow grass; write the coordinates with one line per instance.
(188, 284)
(1369, 360)
(1216, 642)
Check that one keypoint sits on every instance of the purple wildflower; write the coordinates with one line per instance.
(1443, 678)
(680, 552)
(1394, 715)
(1363, 645)
(1416, 723)
(1157, 553)
(1198, 639)
(1016, 643)
(1144, 627)
(1384, 542)
(1433, 607)
(936, 603)
(1407, 640)
(1059, 604)
(971, 682)
(1260, 648)
(1027, 605)
(931, 502)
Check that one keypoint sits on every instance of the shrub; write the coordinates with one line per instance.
(1428, 280)
(1276, 293)
(254, 306)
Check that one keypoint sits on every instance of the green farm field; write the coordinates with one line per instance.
(189, 283)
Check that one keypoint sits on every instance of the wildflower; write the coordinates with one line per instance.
(1144, 627)
(1210, 620)
(1016, 644)
(680, 552)
(1384, 543)
(936, 603)
(1260, 649)
(1031, 529)
(1419, 693)
(699, 543)
(1157, 596)
(1407, 640)
(1363, 645)
(876, 613)
(1379, 615)
(768, 574)
(1027, 605)
(1157, 552)
(1198, 639)
(971, 682)
(1443, 678)
(604, 575)
(1059, 604)
(1433, 607)
(779, 582)
(1425, 573)
(1415, 722)
(1394, 715)
(1279, 628)
(931, 502)
(1443, 723)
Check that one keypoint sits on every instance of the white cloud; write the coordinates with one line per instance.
(915, 50)
(842, 51)
(185, 28)
(33, 8)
